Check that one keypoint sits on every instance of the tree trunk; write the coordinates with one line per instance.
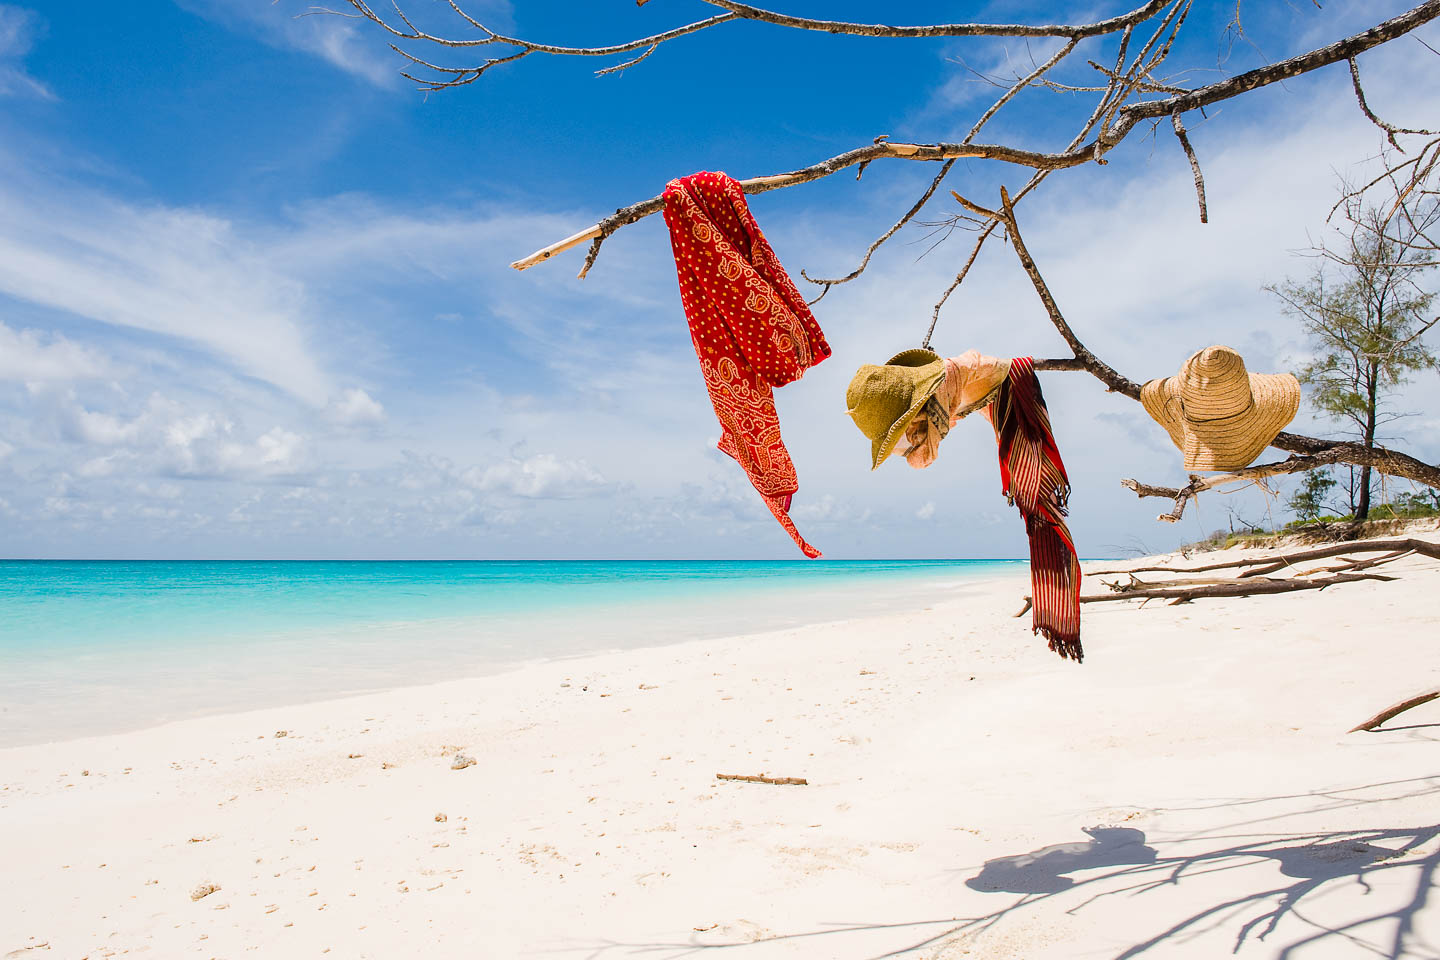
(1362, 510)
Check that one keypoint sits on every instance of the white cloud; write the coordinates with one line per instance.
(27, 356)
(169, 438)
(279, 448)
(355, 406)
(18, 31)
(926, 511)
(105, 429)
(540, 477)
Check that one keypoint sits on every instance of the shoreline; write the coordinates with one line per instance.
(146, 677)
(512, 668)
(968, 793)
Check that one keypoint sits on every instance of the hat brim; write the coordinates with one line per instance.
(1231, 442)
(926, 388)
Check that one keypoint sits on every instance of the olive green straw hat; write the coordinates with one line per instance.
(882, 400)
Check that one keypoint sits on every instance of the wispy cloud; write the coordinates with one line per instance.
(179, 273)
(19, 29)
(344, 41)
(339, 41)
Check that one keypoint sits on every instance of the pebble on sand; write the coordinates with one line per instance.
(461, 762)
(204, 890)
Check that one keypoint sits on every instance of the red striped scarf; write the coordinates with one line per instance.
(751, 329)
(1034, 480)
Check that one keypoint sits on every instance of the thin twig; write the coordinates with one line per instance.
(1390, 129)
(1194, 165)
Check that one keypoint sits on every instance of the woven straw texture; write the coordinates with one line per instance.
(1220, 416)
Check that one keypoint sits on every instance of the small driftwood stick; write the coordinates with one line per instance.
(1235, 588)
(783, 781)
(1424, 547)
(1396, 710)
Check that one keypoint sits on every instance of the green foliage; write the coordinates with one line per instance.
(1409, 506)
(1366, 313)
(1309, 501)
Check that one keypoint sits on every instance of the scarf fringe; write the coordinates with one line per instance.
(1067, 646)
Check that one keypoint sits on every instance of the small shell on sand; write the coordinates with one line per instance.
(204, 890)
(282, 733)
(441, 818)
(461, 762)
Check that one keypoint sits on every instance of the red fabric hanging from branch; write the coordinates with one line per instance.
(751, 328)
(1034, 480)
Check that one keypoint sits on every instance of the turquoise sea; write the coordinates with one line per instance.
(91, 647)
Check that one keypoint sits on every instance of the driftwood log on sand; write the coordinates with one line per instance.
(1256, 582)
(1397, 709)
(1423, 547)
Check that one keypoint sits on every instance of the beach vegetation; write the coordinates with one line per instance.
(1308, 502)
(1365, 310)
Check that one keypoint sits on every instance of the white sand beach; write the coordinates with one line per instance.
(1189, 791)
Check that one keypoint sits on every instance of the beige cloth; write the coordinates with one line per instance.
(971, 381)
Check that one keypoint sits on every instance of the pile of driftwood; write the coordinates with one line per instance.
(1258, 580)
(1353, 558)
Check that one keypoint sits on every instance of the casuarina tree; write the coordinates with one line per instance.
(1366, 311)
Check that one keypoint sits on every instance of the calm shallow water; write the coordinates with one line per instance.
(92, 647)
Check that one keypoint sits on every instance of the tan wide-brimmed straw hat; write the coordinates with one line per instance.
(1220, 416)
(882, 400)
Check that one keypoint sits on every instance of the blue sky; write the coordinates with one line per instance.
(255, 301)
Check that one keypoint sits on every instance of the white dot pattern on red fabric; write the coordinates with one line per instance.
(751, 329)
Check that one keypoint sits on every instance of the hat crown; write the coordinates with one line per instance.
(1214, 384)
(883, 399)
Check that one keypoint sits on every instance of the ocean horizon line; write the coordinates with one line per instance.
(794, 560)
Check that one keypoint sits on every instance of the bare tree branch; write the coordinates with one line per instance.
(1090, 363)
(1230, 588)
(1194, 165)
(1124, 120)
(1199, 484)
(1073, 31)
(460, 76)
(870, 252)
(1390, 129)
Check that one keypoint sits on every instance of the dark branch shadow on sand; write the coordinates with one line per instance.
(1120, 861)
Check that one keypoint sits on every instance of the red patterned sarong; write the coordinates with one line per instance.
(751, 328)
(1034, 479)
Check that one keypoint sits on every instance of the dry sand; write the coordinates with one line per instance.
(1189, 791)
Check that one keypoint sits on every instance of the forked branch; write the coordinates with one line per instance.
(1115, 121)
